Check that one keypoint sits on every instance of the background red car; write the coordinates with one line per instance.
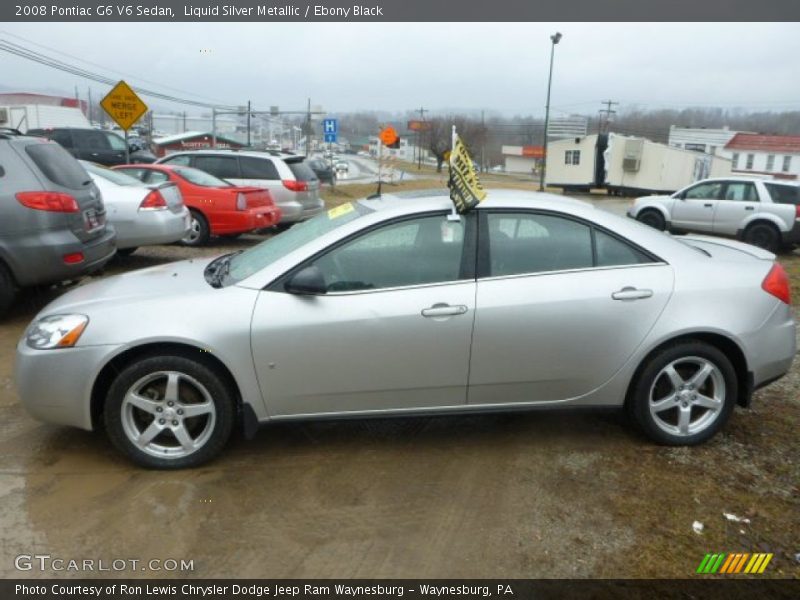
(217, 207)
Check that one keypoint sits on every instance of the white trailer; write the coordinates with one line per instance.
(41, 116)
(627, 165)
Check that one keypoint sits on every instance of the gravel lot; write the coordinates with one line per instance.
(566, 494)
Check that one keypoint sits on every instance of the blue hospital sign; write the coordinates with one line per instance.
(330, 128)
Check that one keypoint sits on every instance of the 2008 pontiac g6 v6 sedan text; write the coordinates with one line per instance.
(396, 306)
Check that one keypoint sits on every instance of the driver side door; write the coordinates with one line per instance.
(392, 332)
(694, 208)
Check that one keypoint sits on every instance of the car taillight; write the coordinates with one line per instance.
(295, 186)
(49, 201)
(73, 258)
(153, 201)
(241, 201)
(777, 283)
(797, 212)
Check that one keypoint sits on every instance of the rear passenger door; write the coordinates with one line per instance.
(738, 201)
(96, 146)
(561, 305)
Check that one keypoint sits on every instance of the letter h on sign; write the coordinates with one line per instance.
(330, 128)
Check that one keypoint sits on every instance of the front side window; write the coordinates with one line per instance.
(705, 191)
(741, 191)
(418, 251)
(527, 243)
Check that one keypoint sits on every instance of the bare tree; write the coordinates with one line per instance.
(471, 131)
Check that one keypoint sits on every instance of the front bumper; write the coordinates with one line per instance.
(55, 386)
(153, 227)
(242, 221)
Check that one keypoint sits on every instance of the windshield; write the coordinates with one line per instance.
(109, 175)
(264, 254)
(201, 178)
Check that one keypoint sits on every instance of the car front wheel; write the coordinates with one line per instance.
(652, 218)
(685, 394)
(169, 412)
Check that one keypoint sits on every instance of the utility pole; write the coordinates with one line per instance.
(91, 112)
(248, 123)
(555, 38)
(308, 128)
(607, 111)
(421, 112)
(213, 126)
(483, 142)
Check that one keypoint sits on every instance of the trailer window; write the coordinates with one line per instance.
(572, 157)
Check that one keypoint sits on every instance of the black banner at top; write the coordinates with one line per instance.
(399, 10)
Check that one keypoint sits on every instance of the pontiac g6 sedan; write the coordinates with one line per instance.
(396, 306)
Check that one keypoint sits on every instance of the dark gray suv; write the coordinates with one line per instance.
(52, 218)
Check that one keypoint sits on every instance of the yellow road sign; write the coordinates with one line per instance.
(123, 105)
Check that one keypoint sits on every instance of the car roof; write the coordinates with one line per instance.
(253, 153)
(749, 179)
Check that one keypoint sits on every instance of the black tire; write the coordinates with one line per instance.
(213, 431)
(652, 218)
(231, 236)
(651, 377)
(127, 251)
(200, 232)
(8, 289)
(764, 235)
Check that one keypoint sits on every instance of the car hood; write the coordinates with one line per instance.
(180, 278)
(659, 197)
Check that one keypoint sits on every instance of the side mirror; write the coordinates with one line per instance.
(308, 281)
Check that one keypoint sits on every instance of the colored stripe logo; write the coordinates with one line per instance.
(733, 563)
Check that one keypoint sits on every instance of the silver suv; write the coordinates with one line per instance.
(52, 218)
(761, 212)
(290, 180)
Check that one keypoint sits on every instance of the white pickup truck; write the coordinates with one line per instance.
(762, 212)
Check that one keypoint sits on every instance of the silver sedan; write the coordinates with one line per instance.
(397, 306)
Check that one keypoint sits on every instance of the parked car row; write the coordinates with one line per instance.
(61, 218)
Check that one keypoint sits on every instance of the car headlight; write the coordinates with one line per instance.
(56, 331)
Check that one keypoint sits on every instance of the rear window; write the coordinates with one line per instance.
(58, 165)
(257, 168)
(113, 176)
(302, 172)
(200, 178)
(784, 194)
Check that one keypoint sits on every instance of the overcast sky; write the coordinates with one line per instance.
(397, 66)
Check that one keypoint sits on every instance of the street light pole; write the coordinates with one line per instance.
(555, 38)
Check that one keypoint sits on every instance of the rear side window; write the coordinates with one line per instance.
(257, 168)
(219, 166)
(784, 194)
(62, 137)
(58, 165)
(612, 252)
(741, 191)
(91, 140)
(302, 172)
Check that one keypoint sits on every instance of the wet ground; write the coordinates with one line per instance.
(567, 494)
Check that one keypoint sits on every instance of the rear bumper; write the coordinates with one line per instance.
(793, 235)
(771, 349)
(242, 221)
(153, 227)
(37, 258)
(293, 212)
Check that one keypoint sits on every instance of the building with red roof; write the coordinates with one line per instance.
(758, 154)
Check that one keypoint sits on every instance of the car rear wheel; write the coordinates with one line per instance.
(763, 235)
(199, 231)
(8, 289)
(169, 412)
(652, 218)
(685, 394)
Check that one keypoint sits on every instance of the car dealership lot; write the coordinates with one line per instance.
(539, 494)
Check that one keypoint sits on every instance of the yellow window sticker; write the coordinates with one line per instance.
(340, 210)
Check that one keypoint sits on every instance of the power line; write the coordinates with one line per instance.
(43, 59)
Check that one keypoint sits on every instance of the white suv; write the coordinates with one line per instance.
(291, 182)
(762, 212)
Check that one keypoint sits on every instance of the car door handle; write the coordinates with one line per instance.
(631, 293)
(444, 310)
(708, 205)
(748, 207)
